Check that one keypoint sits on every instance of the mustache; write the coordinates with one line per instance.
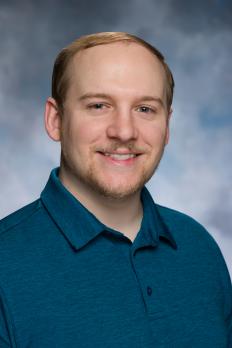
(113, 147)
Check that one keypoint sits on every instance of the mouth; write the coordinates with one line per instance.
(120, 158)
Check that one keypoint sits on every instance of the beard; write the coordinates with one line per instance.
(92, 180)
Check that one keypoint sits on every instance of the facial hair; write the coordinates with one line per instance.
(91, 180)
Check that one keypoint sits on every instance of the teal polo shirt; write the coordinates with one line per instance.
(67, 280)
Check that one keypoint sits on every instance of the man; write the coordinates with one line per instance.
(95, 262)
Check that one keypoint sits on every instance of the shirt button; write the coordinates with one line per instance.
(149, 291)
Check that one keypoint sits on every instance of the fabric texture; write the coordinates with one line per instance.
(67, 280)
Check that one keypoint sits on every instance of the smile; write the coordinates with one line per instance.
(120, 157)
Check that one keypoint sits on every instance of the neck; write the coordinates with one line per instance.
(123, 215)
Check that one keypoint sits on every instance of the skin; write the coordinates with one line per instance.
(115, 105)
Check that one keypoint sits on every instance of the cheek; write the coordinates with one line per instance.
(155, 134)
(82, 135)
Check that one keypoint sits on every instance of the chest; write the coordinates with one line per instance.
(112, 297)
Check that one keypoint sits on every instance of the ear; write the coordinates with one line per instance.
(168, 128)
(52, 119)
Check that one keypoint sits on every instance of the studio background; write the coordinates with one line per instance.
(196, 38)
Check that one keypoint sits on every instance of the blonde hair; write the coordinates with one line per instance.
(60, 77)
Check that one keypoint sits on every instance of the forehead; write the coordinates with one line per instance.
(121, 65)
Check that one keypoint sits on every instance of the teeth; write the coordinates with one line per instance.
(121, 157)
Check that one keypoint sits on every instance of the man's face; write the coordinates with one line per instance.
(115, 120)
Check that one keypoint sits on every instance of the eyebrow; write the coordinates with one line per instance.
(94, 95)
(107, 96)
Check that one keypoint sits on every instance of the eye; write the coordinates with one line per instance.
(146, 109)
(96, 106)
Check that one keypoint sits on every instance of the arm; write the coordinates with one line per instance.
(227, 289)
(6, 328)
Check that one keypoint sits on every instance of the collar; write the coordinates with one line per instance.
(153, 225)
(79, 226)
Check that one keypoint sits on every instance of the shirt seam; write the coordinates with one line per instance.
(11, 328)
(223, 276)
(7, 229)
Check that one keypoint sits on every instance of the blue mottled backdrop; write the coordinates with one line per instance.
(196, 38)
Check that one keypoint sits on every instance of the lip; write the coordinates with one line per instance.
(121, 152)
(127, 159)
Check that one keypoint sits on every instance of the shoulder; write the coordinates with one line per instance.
(183, 226)
(22, 235)
(199, 251)
(192, 236)
(19, 217)
(175, 217)
(193, 239)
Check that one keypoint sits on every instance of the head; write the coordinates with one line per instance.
(61, 78)
(110, 109)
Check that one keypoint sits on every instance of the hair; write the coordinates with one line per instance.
(60, 78)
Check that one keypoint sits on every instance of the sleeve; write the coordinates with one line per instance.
(228, 309)
(229, 321)
(227, 291)
(6, 327)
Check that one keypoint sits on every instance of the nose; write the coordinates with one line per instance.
(122, 126)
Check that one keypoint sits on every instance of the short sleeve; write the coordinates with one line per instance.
(227, 289)
(6, 329)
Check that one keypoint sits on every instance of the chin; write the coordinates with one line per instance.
(116, 187)
(117, 191)
(114, 194)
